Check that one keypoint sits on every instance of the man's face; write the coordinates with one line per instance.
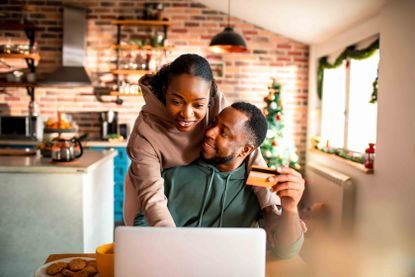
(226, 138)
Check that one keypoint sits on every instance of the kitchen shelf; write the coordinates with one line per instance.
(33, 56)
(138, 47)
(30, 29)
(130, 72)
(138, 22)
(116, 93)
(15, 25)
(17, 84)
(119, 23)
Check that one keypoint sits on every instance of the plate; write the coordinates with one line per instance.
(41, 271)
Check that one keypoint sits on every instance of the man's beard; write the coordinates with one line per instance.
(219, 160)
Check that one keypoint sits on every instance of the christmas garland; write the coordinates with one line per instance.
(348, 155)
(350, 52)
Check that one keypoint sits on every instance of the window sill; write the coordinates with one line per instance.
(355, 165)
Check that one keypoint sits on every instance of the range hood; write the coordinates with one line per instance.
(72, 71)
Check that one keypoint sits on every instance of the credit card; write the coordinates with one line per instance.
(258, 176)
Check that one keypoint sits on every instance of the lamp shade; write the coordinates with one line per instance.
(228, 41)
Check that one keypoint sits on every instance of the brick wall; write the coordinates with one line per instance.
(246, 76)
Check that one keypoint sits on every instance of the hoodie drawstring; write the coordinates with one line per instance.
(205, 198)
(224, 200)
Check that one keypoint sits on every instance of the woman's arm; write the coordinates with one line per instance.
(144, 186)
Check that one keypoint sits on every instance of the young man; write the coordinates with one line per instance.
(211, 192)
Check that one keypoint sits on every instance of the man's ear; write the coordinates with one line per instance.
(246, 150)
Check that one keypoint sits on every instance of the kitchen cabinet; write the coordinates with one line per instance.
(121, 164)
(53, 208)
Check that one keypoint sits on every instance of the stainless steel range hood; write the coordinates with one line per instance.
(72, 71)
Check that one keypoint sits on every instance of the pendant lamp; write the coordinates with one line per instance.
(228, 41)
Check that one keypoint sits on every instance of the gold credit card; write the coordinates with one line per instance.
(258, 176)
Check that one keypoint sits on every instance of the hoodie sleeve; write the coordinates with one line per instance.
(272, 220)
(144, 186)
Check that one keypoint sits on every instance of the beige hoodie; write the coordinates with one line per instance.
(156, 144)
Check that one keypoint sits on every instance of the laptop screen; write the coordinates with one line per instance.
(151, 251)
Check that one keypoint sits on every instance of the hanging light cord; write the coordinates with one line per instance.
(229, 13)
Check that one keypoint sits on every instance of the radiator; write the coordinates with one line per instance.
(336, 191)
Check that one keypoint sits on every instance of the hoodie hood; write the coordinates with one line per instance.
(221, 179)
(155, 126)
(153, 107)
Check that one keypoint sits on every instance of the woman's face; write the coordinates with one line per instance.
(187, 99)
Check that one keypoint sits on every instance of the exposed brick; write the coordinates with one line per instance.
(284, 46)
(107, 4)
(215, 18)
(176, 30)
(197, 5)
(256, 51)
(11, 98)
(246, 75)
(191, 24)
(249, 32)
(53, 3)
(180, 5)
(55, 29)
(209, 12)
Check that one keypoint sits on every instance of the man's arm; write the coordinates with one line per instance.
(285, 231)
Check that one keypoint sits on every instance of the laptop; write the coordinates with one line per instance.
(152, 251)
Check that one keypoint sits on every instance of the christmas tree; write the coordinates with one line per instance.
(278, 147)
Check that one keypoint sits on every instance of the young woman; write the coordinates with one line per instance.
(181, 100)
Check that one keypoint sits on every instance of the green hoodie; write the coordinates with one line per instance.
(199, 195)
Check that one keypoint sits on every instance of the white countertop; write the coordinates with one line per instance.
(36, 164)
(103, 143)
(89, 143)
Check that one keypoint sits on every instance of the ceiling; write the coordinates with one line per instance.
(307, 21)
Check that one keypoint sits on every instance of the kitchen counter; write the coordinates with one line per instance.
(53, 207)
(103, 143)
(36, 164)
(88, 143)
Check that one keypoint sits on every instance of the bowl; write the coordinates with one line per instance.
(105, 260)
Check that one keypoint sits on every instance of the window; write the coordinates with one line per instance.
(348, 118)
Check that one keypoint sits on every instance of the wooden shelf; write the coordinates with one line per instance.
(130, 72)
(356, 165)
(137, 47)
(116, 93)
(34, 56)
(17, 84)
(137, 22)
(15, 25)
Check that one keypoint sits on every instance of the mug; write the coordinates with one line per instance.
(105, 260)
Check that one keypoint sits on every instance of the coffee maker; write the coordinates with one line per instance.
(109, 124)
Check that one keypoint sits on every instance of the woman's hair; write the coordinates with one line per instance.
(191, 64)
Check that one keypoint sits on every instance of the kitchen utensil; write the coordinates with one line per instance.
(64, 150)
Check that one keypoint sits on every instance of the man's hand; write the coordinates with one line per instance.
(289, 186)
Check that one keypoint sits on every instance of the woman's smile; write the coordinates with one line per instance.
(185, 123)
